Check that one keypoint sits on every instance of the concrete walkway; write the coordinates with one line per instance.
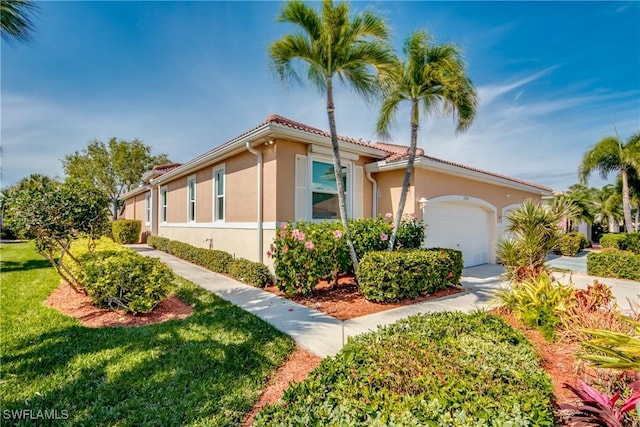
(325, 335)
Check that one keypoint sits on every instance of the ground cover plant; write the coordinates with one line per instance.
(207, 369)
(446, 368)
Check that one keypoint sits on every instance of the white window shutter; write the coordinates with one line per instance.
(358, 201)
(301, 188)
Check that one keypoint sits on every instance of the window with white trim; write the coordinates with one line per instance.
(191, 199)
(163, 204)
(147, 208)
(324, 190)
(218, 193)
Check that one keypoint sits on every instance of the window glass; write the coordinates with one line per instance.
(324, 191)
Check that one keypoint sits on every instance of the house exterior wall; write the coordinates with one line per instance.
(134, 208)
(431, 184)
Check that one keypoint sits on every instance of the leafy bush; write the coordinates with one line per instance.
(611, 240)
(385, 276)
(211, 259)
(126, 280)
(370, 234)
(538, 302)
(440, 369)
(614, 263)
(159, 243)
(306, 253)
(631, 242)
(251, 273)
(126, 231)
(570, 244)
(410, 233)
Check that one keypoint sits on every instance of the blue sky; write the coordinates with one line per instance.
(185, 77)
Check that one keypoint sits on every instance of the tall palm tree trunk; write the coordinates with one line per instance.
(626, 202)
(407, 175)
(337, 166)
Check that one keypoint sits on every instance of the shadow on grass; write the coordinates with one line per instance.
(32, 264)
(210, 367)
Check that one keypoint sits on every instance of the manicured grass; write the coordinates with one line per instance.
(208, 369)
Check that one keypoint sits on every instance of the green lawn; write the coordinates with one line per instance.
(208, 369)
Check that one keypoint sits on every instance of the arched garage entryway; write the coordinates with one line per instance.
(463, 223)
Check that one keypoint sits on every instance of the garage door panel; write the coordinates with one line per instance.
(461, 226)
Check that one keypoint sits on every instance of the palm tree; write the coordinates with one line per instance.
(611, 154)
(328, 45)
(608, 207)
(432, 77)
(15, 19)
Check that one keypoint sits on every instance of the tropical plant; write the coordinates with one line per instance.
(535, 232)
(16, 19)
(333, 44)
(113, 168)
(433, 78)
(539, 302)
(613, 350)
(608, 207)
(611, 154)
(598, 408)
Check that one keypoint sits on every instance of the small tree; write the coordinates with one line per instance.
(54, 214)
(536, 230)
(113, 168)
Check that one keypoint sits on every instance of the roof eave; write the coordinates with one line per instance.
(215, 155)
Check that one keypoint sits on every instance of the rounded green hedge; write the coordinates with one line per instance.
(571, 244)
(441, 369)
(126, 280)
(385, 276)
(126, 231)
(251, 273)
(614, 263)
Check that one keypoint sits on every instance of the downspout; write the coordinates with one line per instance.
(374, 202)
(259, 197)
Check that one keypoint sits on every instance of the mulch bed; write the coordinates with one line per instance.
(78, 305)
(345, 301)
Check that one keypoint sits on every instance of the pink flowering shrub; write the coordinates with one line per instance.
(306, 253)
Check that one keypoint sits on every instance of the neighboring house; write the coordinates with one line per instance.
(234, 196)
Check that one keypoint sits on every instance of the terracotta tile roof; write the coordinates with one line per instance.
(396, 152)
(166, 167)
(274, 118)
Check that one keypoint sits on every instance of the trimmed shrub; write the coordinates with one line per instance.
(159, 243)
(570, 244)
(211, 259)
(126, 280)
(611, 240)
(126, 231)
(440, 369)
(615, 264)
(631, 242)
(251, 273)
(390, 276)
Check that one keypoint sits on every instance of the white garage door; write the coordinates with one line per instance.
(461, 226)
